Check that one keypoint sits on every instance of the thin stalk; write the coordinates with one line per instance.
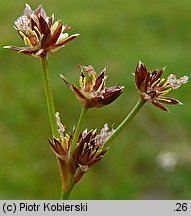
(49, 97)
(125, 122)
(66, 195)
(78, 127)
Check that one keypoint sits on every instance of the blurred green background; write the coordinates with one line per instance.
(151, 159)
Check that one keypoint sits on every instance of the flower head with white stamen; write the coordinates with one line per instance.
(40, 33)
(90, 147)
(92, 91)
(152, 88)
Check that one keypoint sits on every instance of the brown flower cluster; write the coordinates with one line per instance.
(92, 91)
(61, 145)
(152, 88)
(40, 33)
(89, 149)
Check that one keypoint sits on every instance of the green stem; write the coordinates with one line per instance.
(125, 122)
(49, 97)
(78, 128)
(66, 195)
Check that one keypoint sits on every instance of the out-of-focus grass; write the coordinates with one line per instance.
(115, 34)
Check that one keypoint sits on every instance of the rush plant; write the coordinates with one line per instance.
(79, 150)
